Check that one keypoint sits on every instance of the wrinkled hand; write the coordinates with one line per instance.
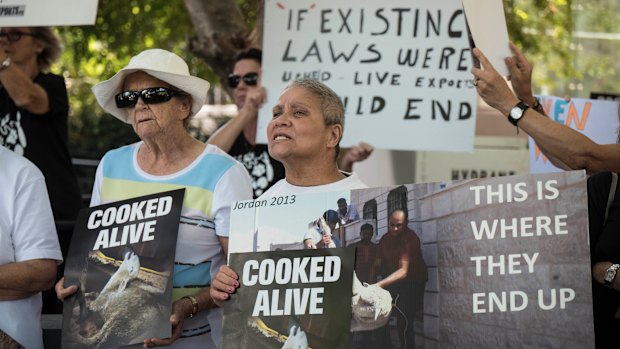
(179, 313)
(223, 285)
(63, 292)
(357, 153)
(254, 99)
(491, 86)
(520, 75)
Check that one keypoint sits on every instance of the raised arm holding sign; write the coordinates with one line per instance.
(565, 147)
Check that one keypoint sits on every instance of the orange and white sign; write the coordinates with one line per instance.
(597, 119)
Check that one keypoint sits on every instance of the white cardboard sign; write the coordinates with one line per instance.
(401, 67)
(37, 13)
(487, 23)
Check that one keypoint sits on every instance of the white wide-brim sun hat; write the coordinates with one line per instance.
(161, 64)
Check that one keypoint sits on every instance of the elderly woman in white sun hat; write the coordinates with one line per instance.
(156, 95)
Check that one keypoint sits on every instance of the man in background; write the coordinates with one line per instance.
(367, 265)
(321, 232)
(347, 213)
(367, 260)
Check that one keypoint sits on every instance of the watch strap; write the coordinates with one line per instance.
(538, 107)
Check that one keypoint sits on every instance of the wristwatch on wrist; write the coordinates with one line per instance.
(5, 63)
(610, 275)
(516, 113)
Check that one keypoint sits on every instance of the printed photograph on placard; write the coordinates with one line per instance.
(121, 260)
(290, 299)
(446, 263)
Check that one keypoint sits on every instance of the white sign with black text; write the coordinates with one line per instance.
(401, 67)
(35, 13)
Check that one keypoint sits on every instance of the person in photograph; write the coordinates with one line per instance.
(347, 213)
(404, 273)
(367, 261)
(321, 232)
(367, 264)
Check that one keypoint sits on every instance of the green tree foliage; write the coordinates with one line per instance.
(94, 53)
(543, 30)
(597, 43)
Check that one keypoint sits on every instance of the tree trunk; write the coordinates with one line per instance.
(221, 32)
(256, 37)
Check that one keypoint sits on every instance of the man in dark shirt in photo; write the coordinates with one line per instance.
(404, 272)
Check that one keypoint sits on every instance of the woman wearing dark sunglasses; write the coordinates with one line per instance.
(156, 95)
(33, 122)
(238, 136)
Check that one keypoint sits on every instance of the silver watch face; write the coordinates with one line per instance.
(516, 113)
(610, 275)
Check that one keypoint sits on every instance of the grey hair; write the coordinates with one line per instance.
(331, 104)
(52, 47)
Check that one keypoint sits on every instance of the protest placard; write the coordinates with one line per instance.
(487, 25)
(401, 67)
(36, 13)
(503, 255)
(306, 295)
(121, 260)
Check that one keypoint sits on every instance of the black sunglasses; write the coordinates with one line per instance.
(250, 79)
(151, 95)
(14, 36)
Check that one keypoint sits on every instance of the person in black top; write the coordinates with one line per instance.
(33, 121)
(238, 136)
(605, 255)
